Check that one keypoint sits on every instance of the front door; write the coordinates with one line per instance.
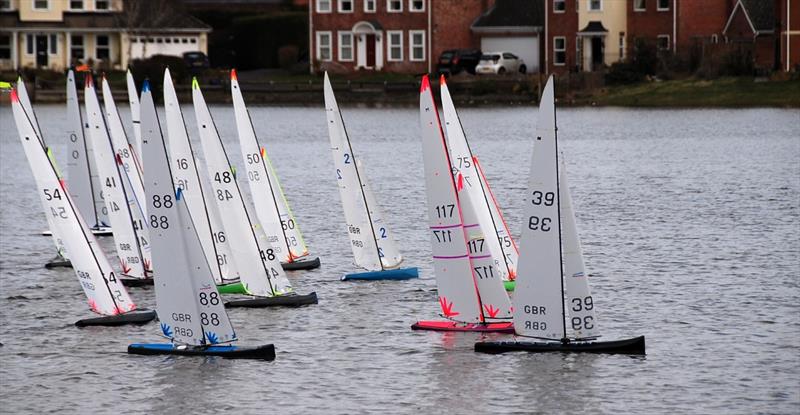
(370, 51)
(41, 51)
(597, 53)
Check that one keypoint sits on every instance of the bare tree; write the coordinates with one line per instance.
(143, 17)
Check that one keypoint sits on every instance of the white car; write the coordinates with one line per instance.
(500, 63)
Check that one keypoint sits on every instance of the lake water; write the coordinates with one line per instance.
(690, 223)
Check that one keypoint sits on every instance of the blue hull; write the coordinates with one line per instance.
(265, 352)
(389, 274)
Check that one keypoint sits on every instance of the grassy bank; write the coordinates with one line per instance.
(723, 92)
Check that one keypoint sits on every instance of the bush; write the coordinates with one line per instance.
(644, 59)
(622, 73)
(153, 69)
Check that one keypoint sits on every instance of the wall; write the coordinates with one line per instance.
(561, 24)
(649, 24)
(451, 24)
(614, 18)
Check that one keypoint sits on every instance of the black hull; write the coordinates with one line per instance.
(633, 346)
(279, 301)
(265, 352)
(137, 282)
(58, 262)
(134, 317)
(299, 264)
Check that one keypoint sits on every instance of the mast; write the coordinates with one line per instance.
(85, 147)
(560, 247)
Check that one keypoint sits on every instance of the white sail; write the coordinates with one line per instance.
(78, 173)
(229, 270)
(363, 239)
(458, 295)
(291, 230)
(189, 306)
(104, 291)
(580, 304)
(504, 236)
(265, 192)
(538, 296)
(120, 200)
(186, 174)
(259, 268)
(463, 164)
(387, 248)
(133, 101)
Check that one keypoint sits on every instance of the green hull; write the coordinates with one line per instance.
(235, 288)
(510, 285)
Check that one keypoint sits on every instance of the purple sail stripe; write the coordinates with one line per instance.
(471, 225)
(446, 226)
(481, 257)
(449, 257)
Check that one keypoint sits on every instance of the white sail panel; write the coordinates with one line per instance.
(461, 157)
(105, 293)
(259, 268)
(361, 234)
(189, 306)
(387, 248)
(291, 230)
(504, 237)
(580, 305)
(263, 193)
(229, 271)
(133, 101)
(118, 199)
(538, 298)
(458, 296)
(78, 174)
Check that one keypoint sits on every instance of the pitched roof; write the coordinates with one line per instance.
(594, 26)
(759, 13)
(512, 16)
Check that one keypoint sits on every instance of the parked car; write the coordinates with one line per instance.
(454, 61)
(500, 63)
(195, 60)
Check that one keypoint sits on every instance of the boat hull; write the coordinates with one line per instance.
(234, 288)
(501, 327)
(279, 301)
(133, 317)
(58, 262)
(632, 346)
(264, 352)
(301, 263)
(389, 274)
(100, 231)
(510, 285)
(136, 282)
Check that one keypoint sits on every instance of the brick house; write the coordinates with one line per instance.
(652, 21)
(452, 22)
(753, 22)
(561, 47)
(789, 17)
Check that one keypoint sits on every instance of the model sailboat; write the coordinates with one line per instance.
(271, 207)
(189, 306)
(552, 301)
(105, 292)
(471, 293)
(476, 189)
(373, 245)
(133, 101)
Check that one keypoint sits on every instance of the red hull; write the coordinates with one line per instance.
(504, 327)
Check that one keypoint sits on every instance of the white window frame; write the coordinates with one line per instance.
(38, 9)
(389, 6)
(318, 48)
(341, 35)
(389, 45)
(589, 6)
(659, 8)
(412, 9)
(658, 42)
(9, 7)
(579, 52)
(82, 47)
(97, 45)
(102, 10)
(30, 45)
(341, 2)
(411, 45)
(320, 9)
(640, 9)
(83, 5)
(52, 44)
(621, 46)
(374, 4)
(562, 49)
(563, 10)
(714, 38)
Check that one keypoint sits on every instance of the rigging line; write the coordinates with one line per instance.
(85, 152)
(458, 203)
(361, 185)
(125, 134)
(74, 211)
(560, 248)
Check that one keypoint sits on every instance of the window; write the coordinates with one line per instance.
(663, 42)
(639, 5)
(5, 4)
(324, 6)
(663, 5)
(184, 40)
(76, 4)
(5, 46)
(168, 40)
(416, 42)
(193, 40)
(102, 47)
(369, 6)
(324, 46)
(394, 5)
(595, 5)
(395, 45)
(159, 40)
(579, 52)
(345, 6)
(559, 51)
(714, 38)
(416, 5)
(41, 4)
(101, 5)
(54, 44)
(559, 6)
(345, 46)
(76, 47)
(509, 56)
(29, 44)
(621, 45)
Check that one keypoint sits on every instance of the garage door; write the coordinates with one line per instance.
(526, 47)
